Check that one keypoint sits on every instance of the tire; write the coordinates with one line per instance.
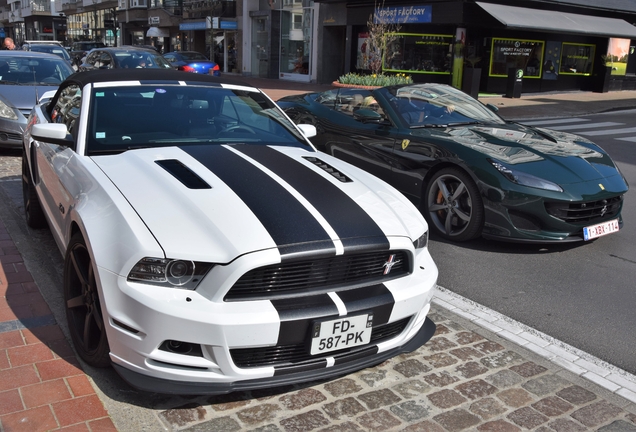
(453, 206)
(32, 209)
(83, 307)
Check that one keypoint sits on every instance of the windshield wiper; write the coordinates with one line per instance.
(429, 125)
(464, 123)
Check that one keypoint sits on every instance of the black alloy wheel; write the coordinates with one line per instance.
(83, 307)
(32, 209)
(454, 208)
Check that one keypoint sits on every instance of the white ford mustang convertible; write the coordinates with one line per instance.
(208, 246)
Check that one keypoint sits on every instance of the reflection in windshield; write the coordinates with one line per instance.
(33, 70)
(430, 105)
(129, 117)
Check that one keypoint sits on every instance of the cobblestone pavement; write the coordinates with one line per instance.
(462, 379)
(466, 378)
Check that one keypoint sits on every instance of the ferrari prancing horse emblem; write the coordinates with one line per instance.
(405, 143)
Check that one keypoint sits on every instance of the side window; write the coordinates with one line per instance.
(93, 58)
(105, 60)
(67, 108)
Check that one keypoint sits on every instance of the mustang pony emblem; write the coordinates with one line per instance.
(388, 265)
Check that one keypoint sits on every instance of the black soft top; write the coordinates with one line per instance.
(144, 74)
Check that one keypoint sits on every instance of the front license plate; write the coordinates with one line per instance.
(341, 333)
(600, 230)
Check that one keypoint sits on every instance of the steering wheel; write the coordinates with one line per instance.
(239, 128)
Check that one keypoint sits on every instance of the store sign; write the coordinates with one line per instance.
(229, 25)
(403, 15)
(153, 20)
(197, 25)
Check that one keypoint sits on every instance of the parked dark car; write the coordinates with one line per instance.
(79, 50)
(471, 172)
(51, 47)
(192, 61)
(125, 57)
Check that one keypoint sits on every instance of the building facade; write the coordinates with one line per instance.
(555, 45)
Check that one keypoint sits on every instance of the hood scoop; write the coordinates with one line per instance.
(184, 174)
(329, 169)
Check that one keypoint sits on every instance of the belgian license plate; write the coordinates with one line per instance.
(600, 229)
(341, 333)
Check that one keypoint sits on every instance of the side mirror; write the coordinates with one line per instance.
(54, 133)
(492, 108)
(309, 131)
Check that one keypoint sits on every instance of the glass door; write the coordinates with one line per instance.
(295, 44)
(260, 47)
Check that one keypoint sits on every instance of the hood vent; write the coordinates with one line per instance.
(184, 174)
(328, 168)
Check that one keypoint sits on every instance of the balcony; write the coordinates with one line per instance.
(203, 8)
(36, 7)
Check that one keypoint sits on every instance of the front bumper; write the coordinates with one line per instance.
(158, 385)
(141, 318)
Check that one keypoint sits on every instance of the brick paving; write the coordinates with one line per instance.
(466, 378)
(42, 385)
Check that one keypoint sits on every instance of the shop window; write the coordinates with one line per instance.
(417, 53)
(617, 55)
(526, 55)
(577, 59)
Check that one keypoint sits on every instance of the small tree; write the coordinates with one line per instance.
(382, 33)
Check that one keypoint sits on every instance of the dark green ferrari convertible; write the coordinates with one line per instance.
(471, 172)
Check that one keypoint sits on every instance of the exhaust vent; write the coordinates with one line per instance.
(328, 168)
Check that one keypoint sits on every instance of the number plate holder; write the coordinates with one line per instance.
(601, 229)
(340, 333)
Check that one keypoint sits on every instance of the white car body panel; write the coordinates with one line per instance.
(257, 207)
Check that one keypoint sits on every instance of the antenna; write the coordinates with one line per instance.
(35, 86)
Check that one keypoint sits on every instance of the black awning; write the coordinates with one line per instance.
(560, 22)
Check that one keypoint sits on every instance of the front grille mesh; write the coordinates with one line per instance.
(585, 212)
(318, 275)
(297, 353)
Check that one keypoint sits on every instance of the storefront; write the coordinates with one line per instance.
(554, 50)
(281, 37)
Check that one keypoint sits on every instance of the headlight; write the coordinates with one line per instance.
(524, 179)
(421, 242)
(7, 112)
(169, 272)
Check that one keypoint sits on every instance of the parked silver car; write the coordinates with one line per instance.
(24, 77)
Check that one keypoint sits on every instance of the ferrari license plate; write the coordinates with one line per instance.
(601, 229)
(341, 333)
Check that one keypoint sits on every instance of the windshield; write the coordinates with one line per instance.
(437, 105)
(25, 70)
(190, 56)
(51, 49)
(141, 59)
(152, 115)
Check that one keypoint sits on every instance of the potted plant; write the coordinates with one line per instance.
(472, 76)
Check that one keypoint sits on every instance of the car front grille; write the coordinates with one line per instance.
(310, 276)
(298, 353)
(585, 212)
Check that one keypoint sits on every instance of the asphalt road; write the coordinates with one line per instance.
(582, 294)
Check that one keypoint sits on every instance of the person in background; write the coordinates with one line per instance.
(8, 44)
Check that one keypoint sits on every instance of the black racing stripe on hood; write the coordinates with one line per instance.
(352, 224)
(285, 219)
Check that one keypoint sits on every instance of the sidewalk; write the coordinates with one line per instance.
(481, 371)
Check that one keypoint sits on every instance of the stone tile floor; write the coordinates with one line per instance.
(460, 380)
